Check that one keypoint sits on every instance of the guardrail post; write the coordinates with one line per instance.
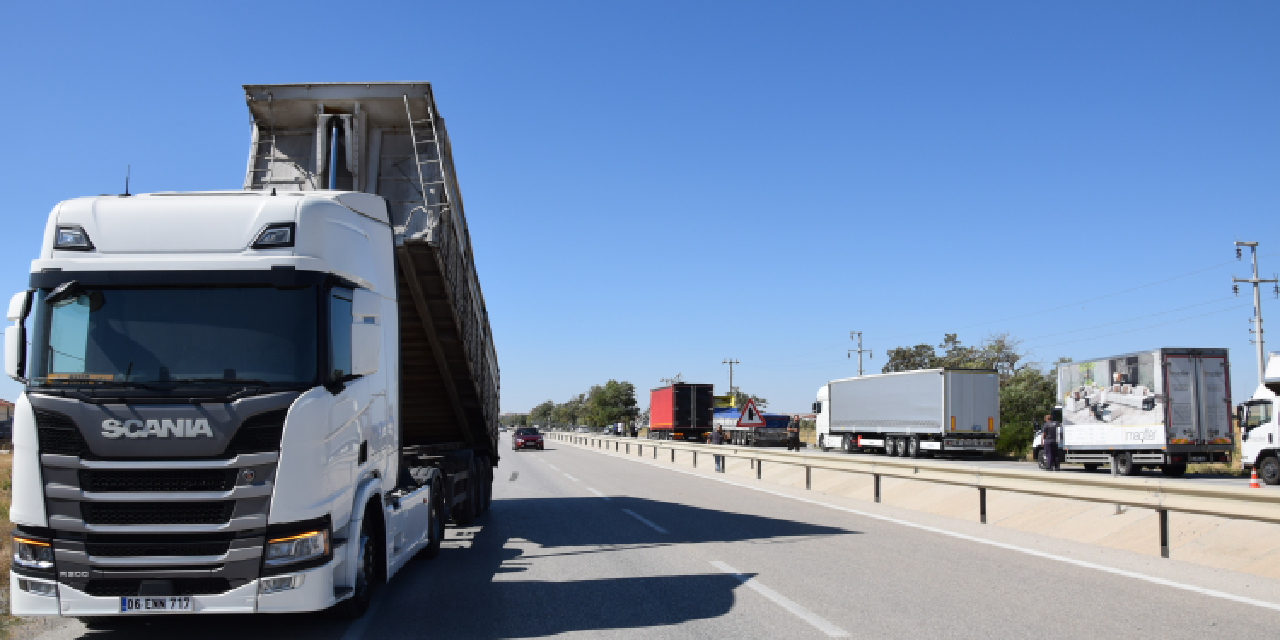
(982, 504)
(695, 459)
(808, 477)
(1164, 532)
(628, 448)
(877, 486)
(759, 465)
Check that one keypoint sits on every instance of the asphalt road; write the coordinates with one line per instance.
(582, 543)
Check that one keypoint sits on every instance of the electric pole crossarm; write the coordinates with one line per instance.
(859, 350)
(1257, 301)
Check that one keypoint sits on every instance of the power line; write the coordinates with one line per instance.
(1152, 326)
(1072, 304)
(1108, 324)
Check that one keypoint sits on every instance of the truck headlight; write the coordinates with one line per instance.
(72, 238)
(280, 583)
(297, 548)
(32, 554)
(275, 236)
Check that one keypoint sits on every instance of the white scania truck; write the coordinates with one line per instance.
(1259, 429)
(911, 413)
(1160, 408)
(264, 400)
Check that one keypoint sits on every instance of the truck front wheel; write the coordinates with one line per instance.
(1269, 470)
(822, 443)
(366, 570)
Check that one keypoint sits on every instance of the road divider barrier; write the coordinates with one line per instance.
(1161, 495)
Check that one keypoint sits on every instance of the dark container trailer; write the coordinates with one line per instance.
(680, 412)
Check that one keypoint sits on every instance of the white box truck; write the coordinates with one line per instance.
(1259, 429)
(911, 413)
(264, 400)
(1160, 408)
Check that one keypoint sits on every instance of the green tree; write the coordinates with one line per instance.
(1025, 396)
(610, 403)
(541, 414)
(741, 399)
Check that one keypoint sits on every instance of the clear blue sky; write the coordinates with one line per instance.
(653, 187)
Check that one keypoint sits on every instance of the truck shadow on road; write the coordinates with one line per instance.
(534, 567)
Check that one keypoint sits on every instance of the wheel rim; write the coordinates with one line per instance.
(364, 567)
(1270, 470)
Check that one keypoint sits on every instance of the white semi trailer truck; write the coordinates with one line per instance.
(1259, 429)
(1160, 408)
(264, 400)
(911, 413)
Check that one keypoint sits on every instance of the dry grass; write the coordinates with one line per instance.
(6, 540)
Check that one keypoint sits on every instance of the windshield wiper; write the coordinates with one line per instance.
(237, 381)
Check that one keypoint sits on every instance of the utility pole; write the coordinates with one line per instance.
(731, 362)
(859, 350)
(1257, 301)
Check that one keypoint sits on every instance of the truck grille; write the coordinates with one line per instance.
(158, 549)
(181, 587)
(143, 513)
(258, 434)
(126, 480)
(117, 546)
(58, 435)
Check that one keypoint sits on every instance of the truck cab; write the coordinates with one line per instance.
(1259, 431)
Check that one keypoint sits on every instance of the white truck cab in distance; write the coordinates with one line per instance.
(1259, 431)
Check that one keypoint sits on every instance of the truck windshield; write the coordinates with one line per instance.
(176, 337)
(1258, 414)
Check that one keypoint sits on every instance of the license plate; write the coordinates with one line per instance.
(145, 605)
(1199, 458)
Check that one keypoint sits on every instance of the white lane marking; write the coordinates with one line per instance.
(1002, 545)
(645, 520)
(569, 476)
(598, 494)
(800, 612)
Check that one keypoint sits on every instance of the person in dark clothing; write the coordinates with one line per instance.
(717, 437)
(793, 435)
(1049, 437)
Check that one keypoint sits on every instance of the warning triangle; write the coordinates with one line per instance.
(750, 416)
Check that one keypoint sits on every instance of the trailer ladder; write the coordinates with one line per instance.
(425, 134)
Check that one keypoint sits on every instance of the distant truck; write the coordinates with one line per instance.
(772, 434)
(680, 411)
(1161, 408)
(1259, 432)
(911, 413)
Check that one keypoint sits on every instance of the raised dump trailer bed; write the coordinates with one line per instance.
(389, 140)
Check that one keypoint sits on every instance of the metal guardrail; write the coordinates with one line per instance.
(1161, 495)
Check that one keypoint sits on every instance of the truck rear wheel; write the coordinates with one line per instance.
(1269, 470)
(1125, 466)
(913, 447)
(846, 443)
(891, 446)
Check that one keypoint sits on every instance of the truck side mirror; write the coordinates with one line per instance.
(15, 337)
(1240, 416)
(366, 332)
(817, 407)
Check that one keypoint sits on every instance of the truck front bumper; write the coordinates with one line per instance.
(315, 592)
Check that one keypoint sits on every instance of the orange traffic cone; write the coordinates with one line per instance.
(1253, 480)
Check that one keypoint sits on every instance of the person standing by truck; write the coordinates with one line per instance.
(1050, 438)
(717, 437)
(793, 434)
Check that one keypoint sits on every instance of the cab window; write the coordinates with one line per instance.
(1257, 415)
